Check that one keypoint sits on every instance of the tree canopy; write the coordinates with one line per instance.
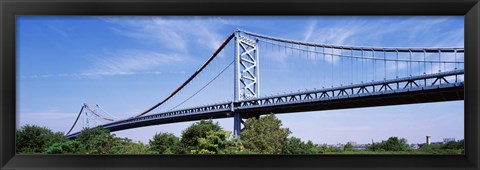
(217, 142)
(65, 147)
(96, 140)
(165, 143)
(264, 135)
(35, 139)
(297, 146)
(348, 147)
(197, 130)
(391, 144)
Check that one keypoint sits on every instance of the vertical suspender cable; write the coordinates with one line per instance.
(315, 67)
(396, 64)
(410, 63)
(341, 68)
(363, 73)
(324, 72)
(374, 65)
(455, 59)
(385, 64)
(439, 63)
(351, 65)
(424, 63)
(333, 80)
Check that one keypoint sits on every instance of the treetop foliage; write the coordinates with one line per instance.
(391, 144)
(259, 136)
(264, 135)
(197, 130)
(35, 139)
(165, 143)
(297, 146)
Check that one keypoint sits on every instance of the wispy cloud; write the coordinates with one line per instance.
(61, 31)
(179, 37)
(417, 31)
(361, 32)
(309, 30)
(128, 62)
(123, 63)
(87, 75)
(175, 33)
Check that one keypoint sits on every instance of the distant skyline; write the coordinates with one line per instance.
(127, 64)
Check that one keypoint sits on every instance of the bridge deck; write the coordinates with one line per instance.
(381, 93)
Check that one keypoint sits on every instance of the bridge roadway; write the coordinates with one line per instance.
(444, 86)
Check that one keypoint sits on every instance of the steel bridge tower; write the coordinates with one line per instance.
(246, 85)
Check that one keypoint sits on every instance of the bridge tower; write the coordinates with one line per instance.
(246, 85)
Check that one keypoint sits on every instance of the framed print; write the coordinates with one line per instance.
(276, 85)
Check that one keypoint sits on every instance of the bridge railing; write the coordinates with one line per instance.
(439, 80)
(177, 113)
(414, 83)
(422, 82)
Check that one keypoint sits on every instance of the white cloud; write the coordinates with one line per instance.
(176, 33)
(358, 32)
(123, 63)
(420, 31)
(309, 30)
(58, 30)
(129, 62)
(177, 36)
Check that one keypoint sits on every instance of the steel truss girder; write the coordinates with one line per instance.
(246, 68)
(411, 84)
(351, 91)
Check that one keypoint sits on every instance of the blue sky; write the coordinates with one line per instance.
(127, 64)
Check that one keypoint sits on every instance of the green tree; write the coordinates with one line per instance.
(311, 148)
(264, 135)
(127, 146)
(96, 140)
(431, 148)
(375, 146)
(297, 146)
(197, 130)
(348, 147)
(454, 145)
(327, 149)
(165, 143)
(65, 147)
(391, 144)
(35, 139)
(394, 144)
(294, 146)
(217, 142)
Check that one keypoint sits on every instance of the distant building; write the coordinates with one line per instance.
(338, 145)
(353, 143)
(414, 146)
(428, 140)
(446, 140)
(360, 147)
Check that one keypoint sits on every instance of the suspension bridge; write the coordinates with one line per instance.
(325, 77)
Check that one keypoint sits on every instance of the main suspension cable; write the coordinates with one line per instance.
(191, 77)
(221, 72)
(76, 120)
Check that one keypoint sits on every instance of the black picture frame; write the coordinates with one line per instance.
(9, 9)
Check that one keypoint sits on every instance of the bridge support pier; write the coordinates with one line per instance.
(237, 125)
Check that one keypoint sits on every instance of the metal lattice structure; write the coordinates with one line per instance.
(438, 77)
(246, 68)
